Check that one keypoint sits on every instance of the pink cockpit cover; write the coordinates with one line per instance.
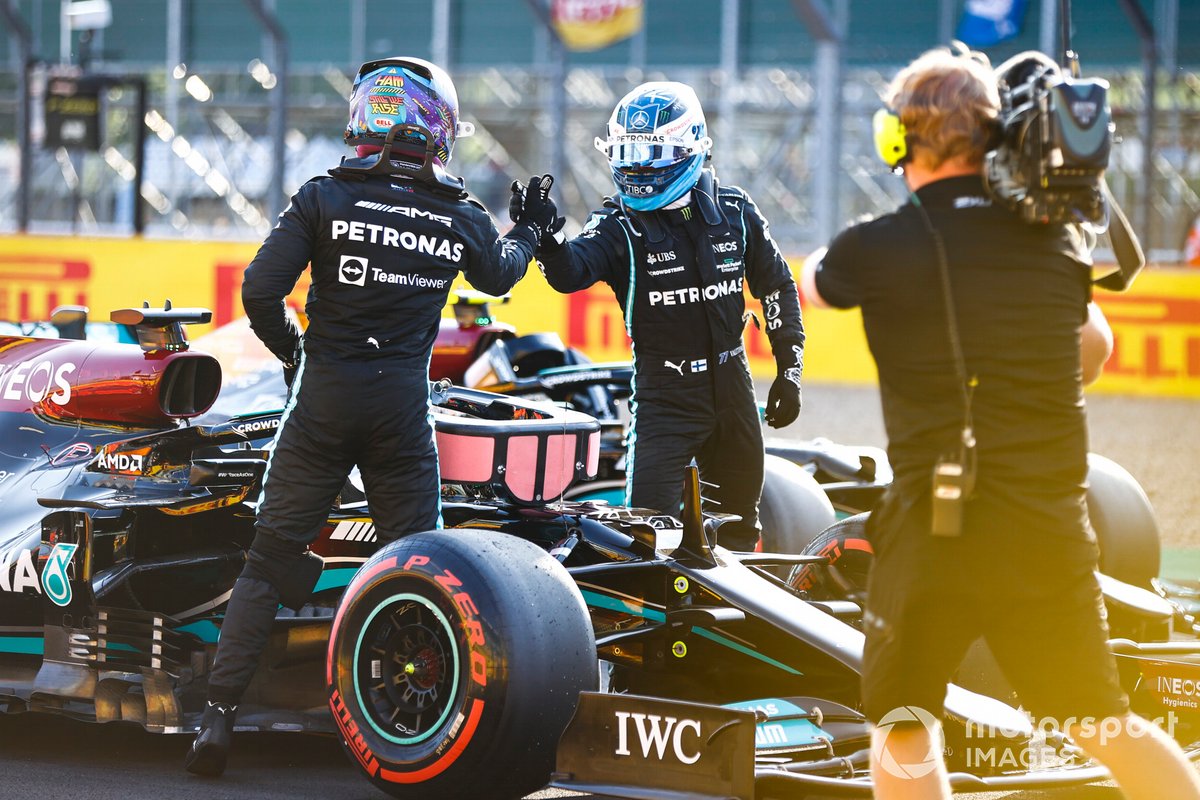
(466, 458)
(593, 458)
(560, 464)
(520, 470)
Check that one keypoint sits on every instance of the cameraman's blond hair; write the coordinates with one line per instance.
(948, 102)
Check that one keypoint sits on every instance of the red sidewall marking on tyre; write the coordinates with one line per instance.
(351, 590)
(450, 756)
(354, 739)
(833, 550)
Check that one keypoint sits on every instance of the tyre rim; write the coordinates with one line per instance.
(406, 666)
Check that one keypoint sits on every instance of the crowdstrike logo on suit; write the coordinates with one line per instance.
(353, 270)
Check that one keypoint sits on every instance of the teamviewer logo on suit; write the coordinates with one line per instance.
(353, 271)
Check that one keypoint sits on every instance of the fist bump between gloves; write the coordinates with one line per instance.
(531, 205)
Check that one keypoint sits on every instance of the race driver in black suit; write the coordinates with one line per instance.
(677, 249)
(385, 240)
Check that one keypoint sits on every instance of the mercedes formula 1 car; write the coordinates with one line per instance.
(533, 640)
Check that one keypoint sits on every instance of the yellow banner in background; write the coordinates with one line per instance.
(1156, 329)
(38, 273)
(1156, 333)
(1156, 325)
(595, 24)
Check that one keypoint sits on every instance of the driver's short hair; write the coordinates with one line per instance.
(948, 102)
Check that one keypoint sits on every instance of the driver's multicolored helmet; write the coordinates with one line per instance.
(401, 90)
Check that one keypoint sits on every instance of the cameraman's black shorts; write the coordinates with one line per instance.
(1033, 598)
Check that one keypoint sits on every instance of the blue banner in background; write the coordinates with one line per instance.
(988, 22)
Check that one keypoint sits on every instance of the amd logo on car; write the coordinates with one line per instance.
(118, 462)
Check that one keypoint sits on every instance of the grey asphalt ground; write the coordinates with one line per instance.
(46, 759)
(55, 759)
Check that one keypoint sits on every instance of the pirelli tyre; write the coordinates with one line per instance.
(455, 663)
(794, 509)
(1124, 522)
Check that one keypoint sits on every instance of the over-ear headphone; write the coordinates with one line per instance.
(890, 143)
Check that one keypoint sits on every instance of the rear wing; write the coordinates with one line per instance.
(161, 328)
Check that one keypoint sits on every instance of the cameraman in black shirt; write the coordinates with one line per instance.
(386, 234)
(1019, 570)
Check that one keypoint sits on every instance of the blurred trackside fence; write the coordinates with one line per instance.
(213, 134)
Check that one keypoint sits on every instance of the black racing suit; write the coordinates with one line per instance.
(678, 276)
(1021, 574)
(384, 252)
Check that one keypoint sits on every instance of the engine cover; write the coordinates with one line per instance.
(106, 383)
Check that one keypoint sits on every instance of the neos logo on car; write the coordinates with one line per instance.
(34, 381)
(656, 732)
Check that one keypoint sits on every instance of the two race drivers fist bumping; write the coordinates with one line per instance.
(675, 246)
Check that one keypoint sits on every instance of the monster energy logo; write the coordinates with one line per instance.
(54, 574)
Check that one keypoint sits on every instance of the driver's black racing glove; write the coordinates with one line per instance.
(532, 206)
(291, 365)
(784, 398)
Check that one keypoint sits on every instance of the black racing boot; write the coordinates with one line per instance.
(738, 537)
(211, 748)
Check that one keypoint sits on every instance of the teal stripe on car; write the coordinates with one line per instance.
(338, 578)
(22, 645)
(616, 604)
